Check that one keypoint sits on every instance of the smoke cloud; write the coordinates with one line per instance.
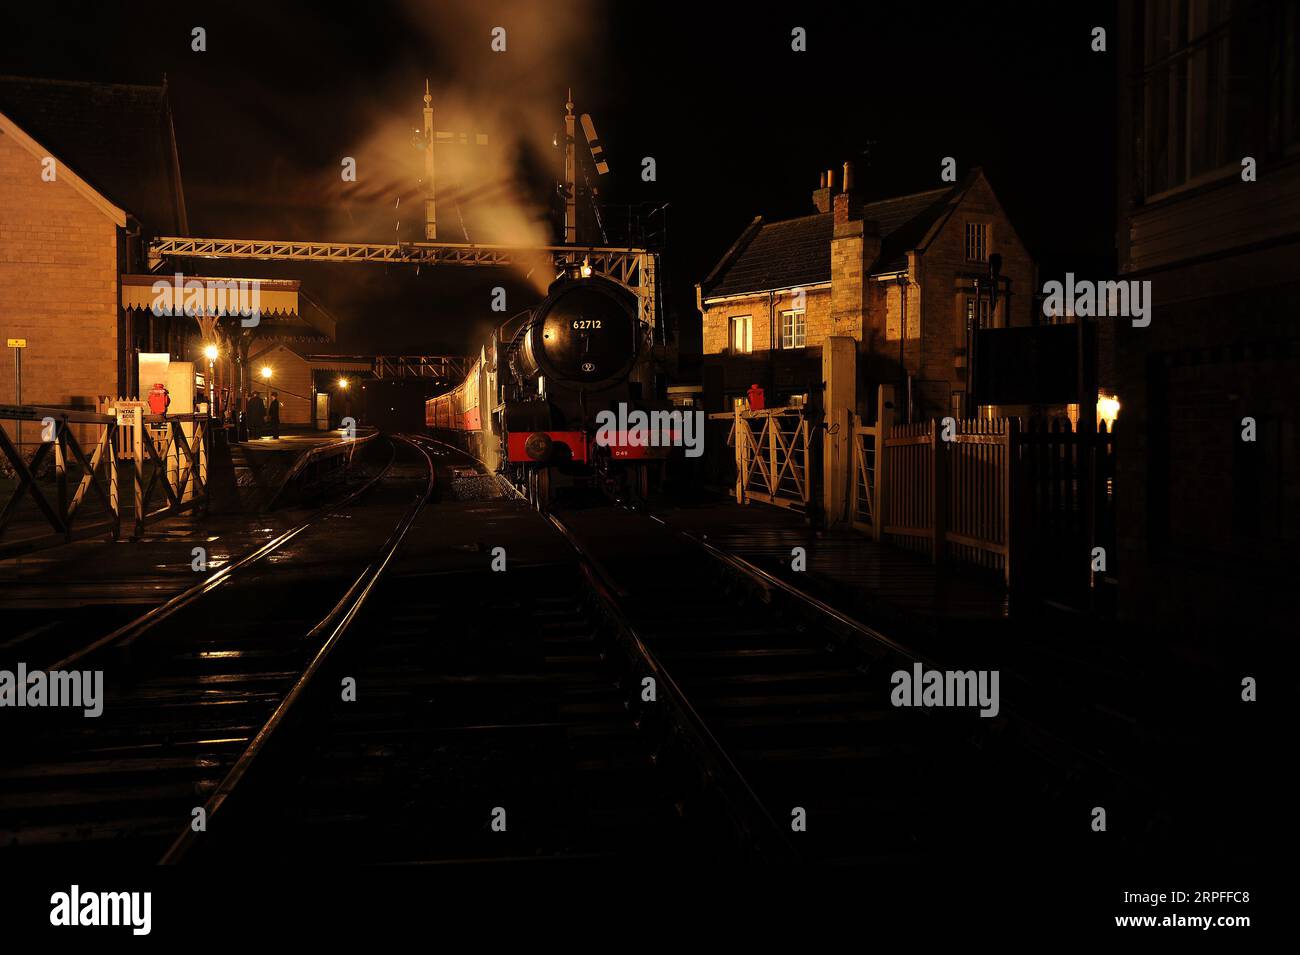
(499, 193)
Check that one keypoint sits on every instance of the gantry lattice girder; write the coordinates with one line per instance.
(623, 264)
(421, 366)
(635, 268)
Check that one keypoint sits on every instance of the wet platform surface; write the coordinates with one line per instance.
(297, 442)
(251, 475)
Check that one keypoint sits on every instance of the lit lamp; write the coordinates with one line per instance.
(1107, 410)
(266, 377)
(210, 352)
(343, 384)
(585, 268)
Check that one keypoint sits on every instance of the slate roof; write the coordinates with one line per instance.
(797, 252)
(116, 137)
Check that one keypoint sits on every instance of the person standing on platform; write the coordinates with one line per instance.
(274, 412)
(256, 417)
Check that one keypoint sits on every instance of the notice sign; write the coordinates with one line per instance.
(17, 343)
(1032, 364)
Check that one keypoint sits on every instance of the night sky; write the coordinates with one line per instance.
(738, 124)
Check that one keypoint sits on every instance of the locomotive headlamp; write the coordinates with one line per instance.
(538, 446)
(586, 268)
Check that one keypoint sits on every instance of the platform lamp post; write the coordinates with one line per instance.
(210, 352)
(343, 384)
(266, 377)
(974, 323)
(904, 395)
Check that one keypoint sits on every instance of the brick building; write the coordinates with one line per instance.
(87, 173)
(1209, 521)
(896, 275)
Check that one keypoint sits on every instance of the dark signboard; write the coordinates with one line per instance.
(1033, 365)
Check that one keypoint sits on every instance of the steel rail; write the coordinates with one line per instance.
(336, 622)
(1043, 739)
(762, 577)
(136, 628)
(748, 809)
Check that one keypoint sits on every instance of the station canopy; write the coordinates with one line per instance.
(284, 310)
(231, 295)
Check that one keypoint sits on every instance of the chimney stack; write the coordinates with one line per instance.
(855, 247)
(821, 197)
(847, 205)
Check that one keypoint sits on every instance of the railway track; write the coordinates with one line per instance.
(190, 686)
(498, 718)
(59, 639)
(595, 701)
(795, 696)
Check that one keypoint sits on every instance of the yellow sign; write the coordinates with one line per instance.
(17, 343)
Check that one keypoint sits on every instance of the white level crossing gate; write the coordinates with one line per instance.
(772, 456)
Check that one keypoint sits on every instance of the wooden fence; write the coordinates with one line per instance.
(772, 456)
(167, 464)
(1066, 492)
(1030, 503)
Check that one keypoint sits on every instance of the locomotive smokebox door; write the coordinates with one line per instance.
(586, 333)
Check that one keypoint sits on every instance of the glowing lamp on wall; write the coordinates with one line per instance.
(1107, 409)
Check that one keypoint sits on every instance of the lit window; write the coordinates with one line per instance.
(977, 241)
(742, 336)
(794, 329)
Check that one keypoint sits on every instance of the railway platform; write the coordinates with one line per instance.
(262, 473)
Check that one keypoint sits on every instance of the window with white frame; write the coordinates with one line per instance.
(742, 334)
(794, 329)
(977, 241)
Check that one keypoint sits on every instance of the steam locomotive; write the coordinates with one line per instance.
(528, 407)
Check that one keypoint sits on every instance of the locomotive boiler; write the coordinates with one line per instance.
(528, 407)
